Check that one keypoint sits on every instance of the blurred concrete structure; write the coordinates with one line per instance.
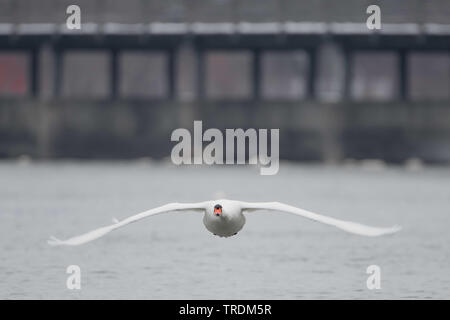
(139, 69)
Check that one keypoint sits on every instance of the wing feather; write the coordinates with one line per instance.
(348, 226)
(100, 232)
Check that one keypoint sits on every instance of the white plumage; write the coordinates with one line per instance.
(225, 218)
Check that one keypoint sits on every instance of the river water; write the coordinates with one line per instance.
(172, 256)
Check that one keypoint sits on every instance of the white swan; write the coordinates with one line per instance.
(225, 218)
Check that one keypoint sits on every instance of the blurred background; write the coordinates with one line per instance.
(138, 69)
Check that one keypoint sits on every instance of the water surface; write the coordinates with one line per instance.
(172, 256)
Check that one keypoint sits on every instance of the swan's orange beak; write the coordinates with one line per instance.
(217, 210)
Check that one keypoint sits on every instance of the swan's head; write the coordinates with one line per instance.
(218, 210)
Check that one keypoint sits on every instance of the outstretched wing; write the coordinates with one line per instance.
(348, 226)
(100, 232)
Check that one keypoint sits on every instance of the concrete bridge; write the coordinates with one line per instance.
(328, 121)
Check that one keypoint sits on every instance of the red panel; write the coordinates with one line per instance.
(13, 73)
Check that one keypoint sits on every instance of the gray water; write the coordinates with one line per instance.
(172, 256)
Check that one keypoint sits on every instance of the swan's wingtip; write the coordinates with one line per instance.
(394, 229)
(385, 231)
(53, 241)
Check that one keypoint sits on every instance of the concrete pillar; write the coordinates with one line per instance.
(186, 61)
(171, 74)
(34, 72)
(333, 84)
(58, 64)
(331, 72)
(114, 74)
(403, 74)
(312, 74)
(186, 79)
(201, 74)
(256, 74)
(46, 74)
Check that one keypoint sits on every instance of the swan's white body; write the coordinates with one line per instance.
(229, 222)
